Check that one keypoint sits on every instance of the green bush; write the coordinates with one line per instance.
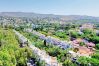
(97, 46)
(82, 43)
(10, 52)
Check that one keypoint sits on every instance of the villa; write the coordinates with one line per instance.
(85, 50)
(82, 51)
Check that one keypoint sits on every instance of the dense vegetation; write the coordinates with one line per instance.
(62, 55)
(85, 61)
(10, 52)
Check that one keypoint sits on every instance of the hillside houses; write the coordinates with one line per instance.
(86, 49)
(87, 26)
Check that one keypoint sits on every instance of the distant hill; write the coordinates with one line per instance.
(52, 17)
(26, 14)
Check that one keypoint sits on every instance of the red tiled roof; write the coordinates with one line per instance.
(85, 50)
(90, 44)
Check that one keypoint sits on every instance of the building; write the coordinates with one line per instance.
(84, 51)
(87, 26)
(90, 45)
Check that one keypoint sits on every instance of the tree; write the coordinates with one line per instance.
(97, 46)
(68, 63)
(83, 61)
(73, 34)
(94, 39)
(96, 56)
(82, 43)
(87, 31)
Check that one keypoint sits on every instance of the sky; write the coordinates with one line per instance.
(58, 7)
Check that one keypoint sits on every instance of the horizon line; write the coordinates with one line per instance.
(47, 13)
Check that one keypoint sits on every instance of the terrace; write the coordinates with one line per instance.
(22, 40)
(41, 54)
(50, 61)
(52, 40)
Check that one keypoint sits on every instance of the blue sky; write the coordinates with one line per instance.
(60, 7)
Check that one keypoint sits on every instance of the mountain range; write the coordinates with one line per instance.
(65, 18)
